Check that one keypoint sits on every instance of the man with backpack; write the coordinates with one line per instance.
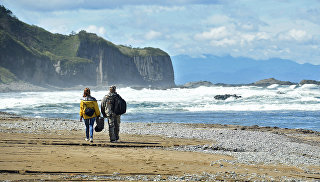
(112, 106)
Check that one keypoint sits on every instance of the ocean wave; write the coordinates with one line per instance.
(273, 98)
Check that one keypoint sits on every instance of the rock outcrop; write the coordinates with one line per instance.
(37, 56)
(309, 82)
(197, 84)
(271, 81)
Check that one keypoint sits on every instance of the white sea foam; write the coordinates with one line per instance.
(274, 97)
(309, 86)
(273, 86)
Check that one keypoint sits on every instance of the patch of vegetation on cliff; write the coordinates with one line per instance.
(15, 47)
(12, 46)
(6, 76)
(39, 41)
(93, 39)
(143, 52)
(73, 60)
(67, 47)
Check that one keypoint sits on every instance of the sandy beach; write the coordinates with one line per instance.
(55, 150)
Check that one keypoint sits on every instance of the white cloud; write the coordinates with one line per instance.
(218, 19)
(219, 27)
(248, 37)
(101, 31)
(213, 34)
(223, 42)
(247, 26)
(61, 5)
(262, 36)
(221, 36)
(153, 35)
(160, 9)
(294, 34)
(297, 34)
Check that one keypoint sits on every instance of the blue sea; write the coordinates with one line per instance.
(274, 106)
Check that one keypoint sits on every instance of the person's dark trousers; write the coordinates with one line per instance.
(89, 127)
(116, 130)
(112, 134)
(117, 126)
(114, 127)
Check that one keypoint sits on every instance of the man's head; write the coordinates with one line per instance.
(112, 88)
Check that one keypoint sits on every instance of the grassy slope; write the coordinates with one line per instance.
(147, 51)
(129, 51)
(58, 47)
(6, 76)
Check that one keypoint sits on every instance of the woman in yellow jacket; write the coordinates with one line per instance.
(89, 110)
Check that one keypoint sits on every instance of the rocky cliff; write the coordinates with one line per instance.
(35, 55)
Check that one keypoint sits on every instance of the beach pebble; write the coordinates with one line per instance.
(248, 147)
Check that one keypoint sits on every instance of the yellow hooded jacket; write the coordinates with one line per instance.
(90, 102)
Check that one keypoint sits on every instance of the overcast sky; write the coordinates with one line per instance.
(259, 29)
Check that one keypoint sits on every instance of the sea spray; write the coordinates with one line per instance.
(281, 106)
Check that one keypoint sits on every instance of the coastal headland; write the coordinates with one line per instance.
(55, 149)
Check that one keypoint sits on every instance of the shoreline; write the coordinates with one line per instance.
(167, 151)
(255, 128)
(274, 129)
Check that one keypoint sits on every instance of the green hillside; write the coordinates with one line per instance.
(6, 76)
(58, 47)
(31, 46)
(147, 51)
(37, 40)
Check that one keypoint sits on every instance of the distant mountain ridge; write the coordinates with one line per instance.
(240, 70)
(34, 55)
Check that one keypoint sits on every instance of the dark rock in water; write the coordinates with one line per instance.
(197, 84)
(226, 96)
(279, 92)
(309, 82)
(270, 81)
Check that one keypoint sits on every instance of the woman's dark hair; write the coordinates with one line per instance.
(86, 92)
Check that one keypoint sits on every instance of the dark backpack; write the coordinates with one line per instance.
(120, 105)
(89, 111)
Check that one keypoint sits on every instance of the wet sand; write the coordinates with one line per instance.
(65, 155)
